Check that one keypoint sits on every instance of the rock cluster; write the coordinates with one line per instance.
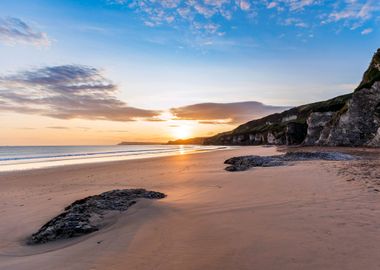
(84, 216)
(246, 162)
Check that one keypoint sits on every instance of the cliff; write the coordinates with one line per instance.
(348, 120)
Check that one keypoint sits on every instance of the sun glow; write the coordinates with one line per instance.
(181, 132)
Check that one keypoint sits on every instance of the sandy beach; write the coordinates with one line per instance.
(310, 215)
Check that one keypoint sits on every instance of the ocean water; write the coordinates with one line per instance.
(34, 157)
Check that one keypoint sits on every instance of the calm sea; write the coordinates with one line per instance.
(33, 157)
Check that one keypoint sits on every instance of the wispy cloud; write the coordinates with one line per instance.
(207, 18)
(57, 127)
(224, 113)
(14, 31)
(354, 13)
(367, 31)
(295, 22)
(300, 4)
(66, 92)
(201, 17)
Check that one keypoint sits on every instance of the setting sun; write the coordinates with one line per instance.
(182, 132)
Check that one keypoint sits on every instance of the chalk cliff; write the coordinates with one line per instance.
(348, 120)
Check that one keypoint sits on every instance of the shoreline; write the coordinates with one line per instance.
(303, 216)
(37, 165)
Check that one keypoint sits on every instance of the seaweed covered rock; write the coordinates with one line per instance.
(246, 162)
(85, 215)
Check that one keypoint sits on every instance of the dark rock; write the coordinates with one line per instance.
(332, 156)
(316, 122)
(245, 162)
(84, 216)
(295, 133)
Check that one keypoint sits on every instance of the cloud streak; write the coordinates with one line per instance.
(16, 31)
(207, 18)
(66, 92)
(355, 13)
(225, 113)
(197, 15)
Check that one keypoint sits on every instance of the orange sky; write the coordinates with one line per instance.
(39, 130)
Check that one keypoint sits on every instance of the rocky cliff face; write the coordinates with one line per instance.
(359, 124)
(316, 122)
(349, 120)
(289, 127)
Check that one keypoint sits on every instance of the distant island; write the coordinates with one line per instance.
(196, 140)
(140, 143)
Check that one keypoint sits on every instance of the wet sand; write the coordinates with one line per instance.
(305, 216)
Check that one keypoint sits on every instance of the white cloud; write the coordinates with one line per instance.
(205, 17)
(272, 5)
(244, 4)
(355, 11)
(295, 22)
(66, 92)
(15, 31)
(367, 31)
(225, 113)
(300, 4)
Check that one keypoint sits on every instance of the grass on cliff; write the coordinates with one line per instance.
(372, 74)
(274, 122)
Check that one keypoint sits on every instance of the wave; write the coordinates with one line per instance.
(35, 157)
(91, 154)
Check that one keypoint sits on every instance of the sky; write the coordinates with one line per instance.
(86, 72)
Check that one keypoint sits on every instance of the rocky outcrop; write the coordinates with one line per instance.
(348, 120)
(295, 133)
(289, 127)
(86, 215)
(246, 162)
(358, 125)
(316, 122)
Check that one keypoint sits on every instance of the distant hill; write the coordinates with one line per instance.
(197, 140)
(139, 143)
(348, 120)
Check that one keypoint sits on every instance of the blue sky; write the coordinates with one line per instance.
(171, 53)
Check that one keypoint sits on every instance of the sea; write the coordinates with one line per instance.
(13, 158)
